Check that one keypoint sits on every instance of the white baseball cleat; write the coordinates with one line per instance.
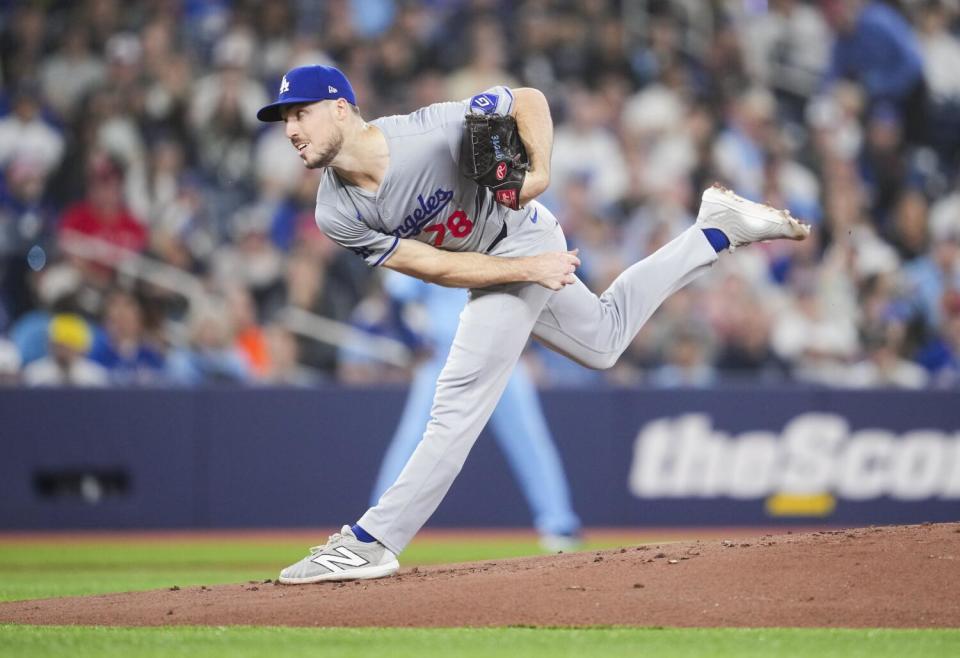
(744, 221)
(343, 557)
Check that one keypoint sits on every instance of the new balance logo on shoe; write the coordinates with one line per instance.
(333, 562)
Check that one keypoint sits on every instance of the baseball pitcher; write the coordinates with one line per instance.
(447, 194)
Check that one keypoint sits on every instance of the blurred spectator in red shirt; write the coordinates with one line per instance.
(102, 215)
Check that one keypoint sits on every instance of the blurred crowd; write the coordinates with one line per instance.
(153, 232)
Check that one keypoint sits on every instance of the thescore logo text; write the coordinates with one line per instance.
(815, 453)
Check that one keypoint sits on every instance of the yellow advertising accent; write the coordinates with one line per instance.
(787, 504)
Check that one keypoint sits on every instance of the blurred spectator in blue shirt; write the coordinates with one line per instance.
(739, 152)
(941, 355)
(935, 275)
(211, 357)
(877, 48)
(121, 347)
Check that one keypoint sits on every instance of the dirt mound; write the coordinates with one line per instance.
(901, 576)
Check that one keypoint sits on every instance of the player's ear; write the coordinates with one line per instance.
(341, 109)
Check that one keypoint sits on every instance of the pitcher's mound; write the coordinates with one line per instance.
(902, 576)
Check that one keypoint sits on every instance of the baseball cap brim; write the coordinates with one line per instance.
(271, 112)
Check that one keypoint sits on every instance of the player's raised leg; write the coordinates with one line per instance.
(594, 331)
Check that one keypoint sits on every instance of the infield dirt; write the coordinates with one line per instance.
(895, 577)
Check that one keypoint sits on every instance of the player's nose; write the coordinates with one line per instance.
(291, 129)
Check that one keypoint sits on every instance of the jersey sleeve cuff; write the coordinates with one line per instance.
(388, 252)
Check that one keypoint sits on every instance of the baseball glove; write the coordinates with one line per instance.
(492, 154)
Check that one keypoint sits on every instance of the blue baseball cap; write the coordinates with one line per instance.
(308, 84)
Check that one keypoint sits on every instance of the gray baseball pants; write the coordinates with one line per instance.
(494, 328)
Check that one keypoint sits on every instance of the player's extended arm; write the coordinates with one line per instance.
(465, 269)
(535, 126)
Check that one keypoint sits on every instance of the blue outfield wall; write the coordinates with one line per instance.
(284, 458)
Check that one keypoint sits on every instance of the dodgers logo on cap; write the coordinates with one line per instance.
(308, 84)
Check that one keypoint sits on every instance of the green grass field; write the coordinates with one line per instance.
(194, 642)
(52, 568)
(46, 569)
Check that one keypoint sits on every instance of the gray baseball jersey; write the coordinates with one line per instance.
(423, 196)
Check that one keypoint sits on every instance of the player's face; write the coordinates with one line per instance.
(314, 132)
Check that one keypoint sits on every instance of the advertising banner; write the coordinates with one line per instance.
(633, 457)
